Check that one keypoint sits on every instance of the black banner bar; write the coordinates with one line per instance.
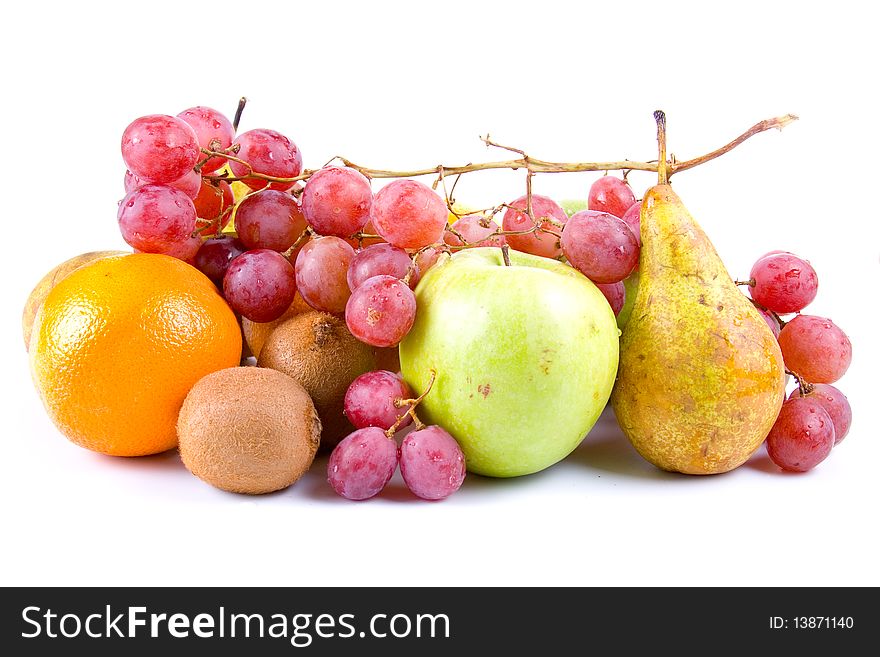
(339, 621)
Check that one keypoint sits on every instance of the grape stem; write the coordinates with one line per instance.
(534, 165)
(250, 174)
(302, 239)
(665, 168)
(411, 411)
(803, 385)
(773, 313)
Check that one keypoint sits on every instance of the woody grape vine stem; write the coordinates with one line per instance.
(532, 164)
(665, 169)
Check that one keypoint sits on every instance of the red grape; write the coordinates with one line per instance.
(835, 404)
(131, 182)
(600, 246)
(615, 293)
(377, 260)
(426, 259)
(612, 195)
(159, 148)
(432, 463)
(337, 201)
(362, 464)
(784, 283)
(260, 285)
(186, 249)
(537, 243)
(270, 153)
(477, 230)
(215, 198)
(158, 219)
(633, 219)
(213, 131)
(408, 214)
(214, 256)
(189, 184)
(269, 219)
(802, 436)
(369, 400)
(381, 311)
(771, 321)
(321, 273)
(815, 348)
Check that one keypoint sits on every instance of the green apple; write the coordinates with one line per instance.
(525, 357)
(570, 206)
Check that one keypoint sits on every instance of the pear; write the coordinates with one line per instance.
(701, 377)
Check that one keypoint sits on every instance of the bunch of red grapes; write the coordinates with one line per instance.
(344, 248)
(816, 416)
(350, 251)
(378, 404)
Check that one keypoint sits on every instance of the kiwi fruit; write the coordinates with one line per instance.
(248, 430)
(255, 333)
(318, 351)
(387, 358)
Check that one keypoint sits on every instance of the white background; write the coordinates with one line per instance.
(413, 84)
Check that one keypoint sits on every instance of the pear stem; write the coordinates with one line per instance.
(662, 174)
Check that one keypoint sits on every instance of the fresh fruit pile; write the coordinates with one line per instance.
(349, 299)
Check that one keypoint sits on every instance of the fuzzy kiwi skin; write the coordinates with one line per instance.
(387, 358)
(248, 430)
(256, 333)
(318, 351)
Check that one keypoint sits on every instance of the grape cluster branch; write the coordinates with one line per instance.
(527, 162)
(665, 169)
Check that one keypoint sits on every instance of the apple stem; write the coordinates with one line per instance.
(238, 110)
(750, 282)
(505, 254)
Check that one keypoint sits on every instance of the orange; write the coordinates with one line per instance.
(118, 344)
